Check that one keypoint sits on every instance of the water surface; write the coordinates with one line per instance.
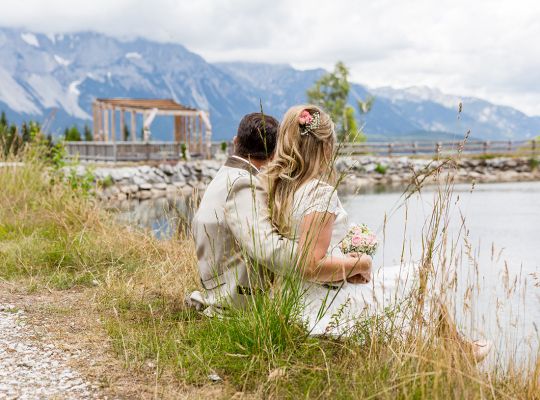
(494, 232)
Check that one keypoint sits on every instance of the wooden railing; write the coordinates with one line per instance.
(170, 151)
(521, 147)
(125, 151)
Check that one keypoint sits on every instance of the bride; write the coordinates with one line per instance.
(304, 206)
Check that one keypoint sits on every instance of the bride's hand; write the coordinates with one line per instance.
(362, 268)
(358, 279)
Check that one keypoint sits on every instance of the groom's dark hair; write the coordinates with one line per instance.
(256, 137)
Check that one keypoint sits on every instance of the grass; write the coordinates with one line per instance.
(53, 236)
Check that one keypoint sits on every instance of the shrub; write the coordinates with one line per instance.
(381, 169)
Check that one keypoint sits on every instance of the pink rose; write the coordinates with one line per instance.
(356, 240)
(305, 118)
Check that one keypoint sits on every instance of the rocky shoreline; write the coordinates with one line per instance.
(186, 178)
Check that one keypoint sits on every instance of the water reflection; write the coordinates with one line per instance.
(165, 217)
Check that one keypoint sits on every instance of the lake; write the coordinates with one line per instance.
(494, 230)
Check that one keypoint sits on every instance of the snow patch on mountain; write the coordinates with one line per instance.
(46, 89)
(133, 56)
(62, 61)
(417, 94)
(30, 38)
(15, 96)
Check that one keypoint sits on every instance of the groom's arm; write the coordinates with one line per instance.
(247, 216)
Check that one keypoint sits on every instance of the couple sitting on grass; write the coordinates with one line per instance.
(273, 212)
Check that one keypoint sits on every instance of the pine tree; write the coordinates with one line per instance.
(25, 133)
(72, 134)
(88, 133)
(331, 93)
(3, 120)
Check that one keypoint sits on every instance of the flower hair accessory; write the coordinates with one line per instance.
(309, 122)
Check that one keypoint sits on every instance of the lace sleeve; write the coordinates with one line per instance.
(319, 197)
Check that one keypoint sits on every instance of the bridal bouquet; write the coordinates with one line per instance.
(359, 239)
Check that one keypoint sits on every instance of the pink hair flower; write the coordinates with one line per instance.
(305, 118)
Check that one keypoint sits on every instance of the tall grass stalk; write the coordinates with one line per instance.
(53, 236)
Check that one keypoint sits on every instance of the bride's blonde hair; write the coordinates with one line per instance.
(303, 152)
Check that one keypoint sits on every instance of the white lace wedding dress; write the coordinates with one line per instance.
(334, 308)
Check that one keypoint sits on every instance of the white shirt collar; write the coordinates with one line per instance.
(246, 161)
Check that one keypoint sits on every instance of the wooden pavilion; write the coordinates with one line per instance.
(191, 126)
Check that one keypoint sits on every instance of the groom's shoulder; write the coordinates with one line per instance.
(242, 180)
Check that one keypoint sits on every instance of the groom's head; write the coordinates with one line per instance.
(256, 137)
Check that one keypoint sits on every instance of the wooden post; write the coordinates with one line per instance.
(177, 126)
(145, 131)
(95, 118)
(122, 124)
(414, 146)
(438, 146)
(133, 127)
(113, 124)
(105, 124)
(200, 133)
(389, 149)
(485, 146)
(100, 122)
(188, 133)
(509, 146)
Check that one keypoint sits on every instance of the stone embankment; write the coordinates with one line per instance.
(165, 180)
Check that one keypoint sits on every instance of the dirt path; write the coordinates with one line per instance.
(53, 346)
(31, 368)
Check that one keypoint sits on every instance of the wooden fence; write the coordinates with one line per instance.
(522, 147)
(171, 151)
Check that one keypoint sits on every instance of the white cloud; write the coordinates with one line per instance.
(482, 48)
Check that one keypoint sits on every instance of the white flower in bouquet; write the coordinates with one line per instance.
(359, 239)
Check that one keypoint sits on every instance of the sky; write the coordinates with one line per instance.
(489, 49)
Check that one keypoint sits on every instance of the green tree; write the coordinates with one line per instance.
(35, 130)
(126, 133)
(72, 134)
(331, 92)
(88, 133)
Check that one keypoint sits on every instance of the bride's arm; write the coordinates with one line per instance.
(316, 265)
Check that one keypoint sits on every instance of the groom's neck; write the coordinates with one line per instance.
(259, 163)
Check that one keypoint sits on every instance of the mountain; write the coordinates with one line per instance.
(39, 73)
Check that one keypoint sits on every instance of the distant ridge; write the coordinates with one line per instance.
(40, 72)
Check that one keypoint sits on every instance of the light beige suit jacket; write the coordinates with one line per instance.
(238, 249)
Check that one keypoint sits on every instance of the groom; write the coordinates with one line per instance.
(238, 249)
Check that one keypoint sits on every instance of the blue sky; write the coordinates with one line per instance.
(481, 48)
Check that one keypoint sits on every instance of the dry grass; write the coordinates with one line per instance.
(52, 236)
